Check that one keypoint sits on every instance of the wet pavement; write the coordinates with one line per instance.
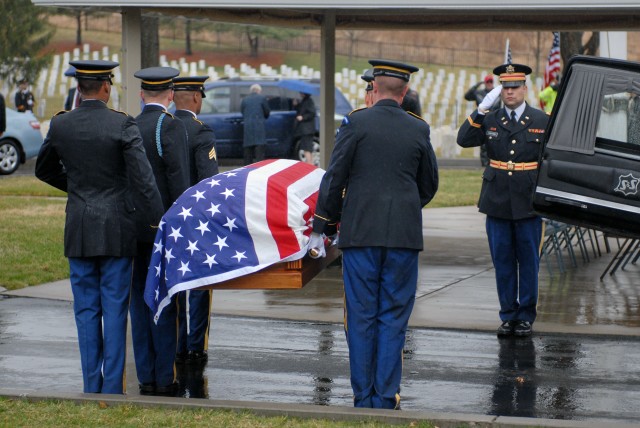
(582, 363)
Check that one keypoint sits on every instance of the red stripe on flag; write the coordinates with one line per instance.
(278, 206)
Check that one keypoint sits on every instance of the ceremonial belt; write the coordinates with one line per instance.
(513, 166)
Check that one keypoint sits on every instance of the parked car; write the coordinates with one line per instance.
(589, 171)
(221, 111)
(21, 140)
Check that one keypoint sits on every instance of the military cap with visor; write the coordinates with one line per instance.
(367, 76)
(399, 70)
(94, 69)
(156, 78)
(512, 75)
(190, 83)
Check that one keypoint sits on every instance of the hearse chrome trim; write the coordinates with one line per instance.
(616, 153)
(587, 200)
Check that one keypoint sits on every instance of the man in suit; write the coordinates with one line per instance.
(165, 142)
(381, 173)
(194, 306)
(255, 111)
(512, 136)
(73, 96)
(96, 155)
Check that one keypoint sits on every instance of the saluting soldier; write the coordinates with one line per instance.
(165, 142)
(194, 306)
(512, 136)
(95, 154)
(384, 165)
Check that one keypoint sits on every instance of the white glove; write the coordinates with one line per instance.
(489, 99)
(316, 246)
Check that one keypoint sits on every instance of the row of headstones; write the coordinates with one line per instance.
(441, 93)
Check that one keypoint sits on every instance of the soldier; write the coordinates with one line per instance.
(104, 163)
(165, 142)
(24, 99)
(368, 90)
(477, 93)
(194, 306)
(73, 96)
(384, 164)
(512, 136)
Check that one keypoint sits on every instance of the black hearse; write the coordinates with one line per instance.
(589, 170)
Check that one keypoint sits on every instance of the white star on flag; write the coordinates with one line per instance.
(158, 269)
(198, 195)
(162, 223)
(204, 227)
(239, 255)
(158, 247)
(230, 224)
(184, 268)
(211, 260)
(185, 213)
(192, 247)
(175, 234)
(214, 209)
(168, 256)
(222, 242)
(229, 174)
(213, 182)
(227, 193)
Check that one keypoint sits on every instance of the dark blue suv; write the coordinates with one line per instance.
(221, 111)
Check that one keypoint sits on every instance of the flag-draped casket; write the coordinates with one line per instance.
(233, 224)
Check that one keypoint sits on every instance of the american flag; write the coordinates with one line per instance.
(507, 53)
(233, 224)
(552, 69)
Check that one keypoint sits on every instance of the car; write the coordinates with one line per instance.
(221, 111)
(589, 169)
(21, 140)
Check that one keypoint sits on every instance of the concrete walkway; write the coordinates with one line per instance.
(456, 291)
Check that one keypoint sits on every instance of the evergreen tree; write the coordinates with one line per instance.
(24, 33)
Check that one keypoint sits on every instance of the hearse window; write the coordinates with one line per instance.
(218, 100)
(619, 123)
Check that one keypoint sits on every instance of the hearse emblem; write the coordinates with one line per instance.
(627, 184)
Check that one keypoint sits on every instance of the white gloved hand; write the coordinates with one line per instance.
(316, 246)
(489, 99)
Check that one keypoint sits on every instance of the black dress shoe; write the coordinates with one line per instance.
(197, 357)
(147, 388)
(522, 329)
(181, 357)
(506, 328)
(170, 390)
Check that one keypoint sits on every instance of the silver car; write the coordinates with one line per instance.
(21, 140)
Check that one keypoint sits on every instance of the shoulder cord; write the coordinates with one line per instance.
(158, 127)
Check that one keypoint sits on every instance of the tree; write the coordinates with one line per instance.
(255, 32)
(571, 44)
(150, 43)
(24, 33)
(191, 26)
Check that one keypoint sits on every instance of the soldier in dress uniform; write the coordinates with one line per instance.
(512, 136)
(73, 96)
(95, 154)
(381, 173)
(368, 90)
(194, 306)
(24, 99)
(165, 142)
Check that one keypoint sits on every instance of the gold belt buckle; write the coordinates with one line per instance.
(510, 166)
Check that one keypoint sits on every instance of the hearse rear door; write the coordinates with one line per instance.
(589, 171)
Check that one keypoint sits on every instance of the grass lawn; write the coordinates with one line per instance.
(44, 414)
(32, 224)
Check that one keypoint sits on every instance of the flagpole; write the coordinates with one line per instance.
(507, 53)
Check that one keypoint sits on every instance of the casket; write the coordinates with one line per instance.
(286, 275)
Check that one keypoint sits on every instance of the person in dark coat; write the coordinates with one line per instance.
(368, 90)
(411, 103)
(165, 142)
(24, 99)
(512, 135)
(255, 112)
(3, 116)
(104, 164)
(73, 96)
(476, 93)
(381, 174)
(194, 306)
(305, 125)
